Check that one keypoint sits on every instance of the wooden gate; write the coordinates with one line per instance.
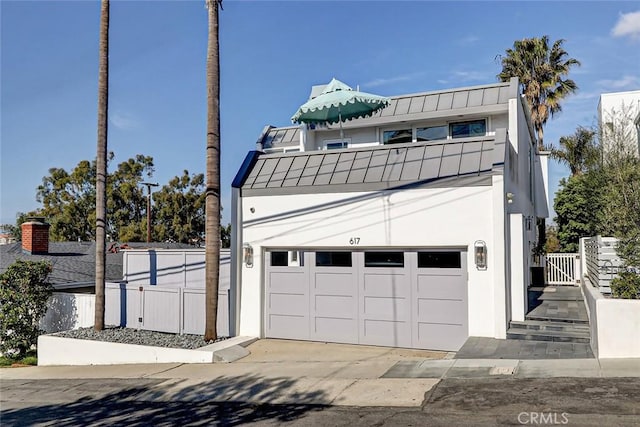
(562, 269)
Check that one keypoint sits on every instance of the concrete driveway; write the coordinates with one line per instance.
(284, 351)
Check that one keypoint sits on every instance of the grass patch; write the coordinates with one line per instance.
(30, 359)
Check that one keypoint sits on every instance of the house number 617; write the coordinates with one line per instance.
(354, 241)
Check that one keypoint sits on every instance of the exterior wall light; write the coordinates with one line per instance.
(247, 250)
(480, 251)
(510, 198)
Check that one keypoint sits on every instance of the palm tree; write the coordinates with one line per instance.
(542, 72)
(578, 151)
(101, 164)
(212, 200)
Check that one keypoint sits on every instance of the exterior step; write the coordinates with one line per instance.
(549, 318)
(541, 325)
(550, 296)
(555, 336)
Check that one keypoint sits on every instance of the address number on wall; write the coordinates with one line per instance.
(354, 241)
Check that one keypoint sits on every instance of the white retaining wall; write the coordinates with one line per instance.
(68, 351)
(614, 324)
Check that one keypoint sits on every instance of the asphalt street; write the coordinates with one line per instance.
(473, 401)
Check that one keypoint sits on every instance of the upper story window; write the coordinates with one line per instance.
(467, 129)
(432, 133)
(397, 136)
(336, 144)
(282, 150)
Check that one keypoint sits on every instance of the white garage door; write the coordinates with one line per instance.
(397, 298)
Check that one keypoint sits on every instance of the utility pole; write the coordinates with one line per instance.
(149, 185)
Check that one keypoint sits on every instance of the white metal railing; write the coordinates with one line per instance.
(561, 269)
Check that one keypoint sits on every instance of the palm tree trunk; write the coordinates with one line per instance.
(101, 164)
(212, 206)
(540, 138)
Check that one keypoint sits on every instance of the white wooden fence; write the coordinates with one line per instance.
(169, 309)
(562, 269)
(602, 261)
(164, 291)
(68, 311)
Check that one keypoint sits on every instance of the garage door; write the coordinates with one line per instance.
(397, 298)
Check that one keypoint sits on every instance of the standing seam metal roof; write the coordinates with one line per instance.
(417, 106)
(376, 168)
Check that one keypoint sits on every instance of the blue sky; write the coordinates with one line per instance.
(271, 55)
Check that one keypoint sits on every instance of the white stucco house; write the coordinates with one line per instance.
(414, 231)
(622, 110)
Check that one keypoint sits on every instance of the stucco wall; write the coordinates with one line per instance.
(614, 324)
(444, 217)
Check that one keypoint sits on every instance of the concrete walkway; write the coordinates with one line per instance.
(294, 372)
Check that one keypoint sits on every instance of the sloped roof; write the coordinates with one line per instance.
(74, 262)
(491, 98)
(468, 161)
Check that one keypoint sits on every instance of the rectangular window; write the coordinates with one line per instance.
(432, 133)
(279, 259)
(467, 129)
(333, 259)
(439, 260)
(335, 145)
(397, 136)
(384, 259)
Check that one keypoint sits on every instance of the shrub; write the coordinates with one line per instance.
(24, 292)
(626, 285)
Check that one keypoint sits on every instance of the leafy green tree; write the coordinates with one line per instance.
(16, 229)
(577, 203)
(552, 243)
(603, 197)
(225, 236)
(126, 202)
(620, 211)
(68, 200)
(24, 292)
(541, 70)
(179, 209)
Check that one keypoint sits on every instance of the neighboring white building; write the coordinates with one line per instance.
(619, 118)
(415, 231)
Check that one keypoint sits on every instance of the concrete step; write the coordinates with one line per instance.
(554, 293)
(556, 318)
(555, 336)
(542, 325)
(549, 296)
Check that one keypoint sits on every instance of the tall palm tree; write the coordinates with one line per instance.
(541, 70)
(212, 200)
(101, 164)
(578, 151)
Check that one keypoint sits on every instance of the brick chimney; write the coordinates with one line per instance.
(35, 236)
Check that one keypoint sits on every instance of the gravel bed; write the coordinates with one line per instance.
(138, 336)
